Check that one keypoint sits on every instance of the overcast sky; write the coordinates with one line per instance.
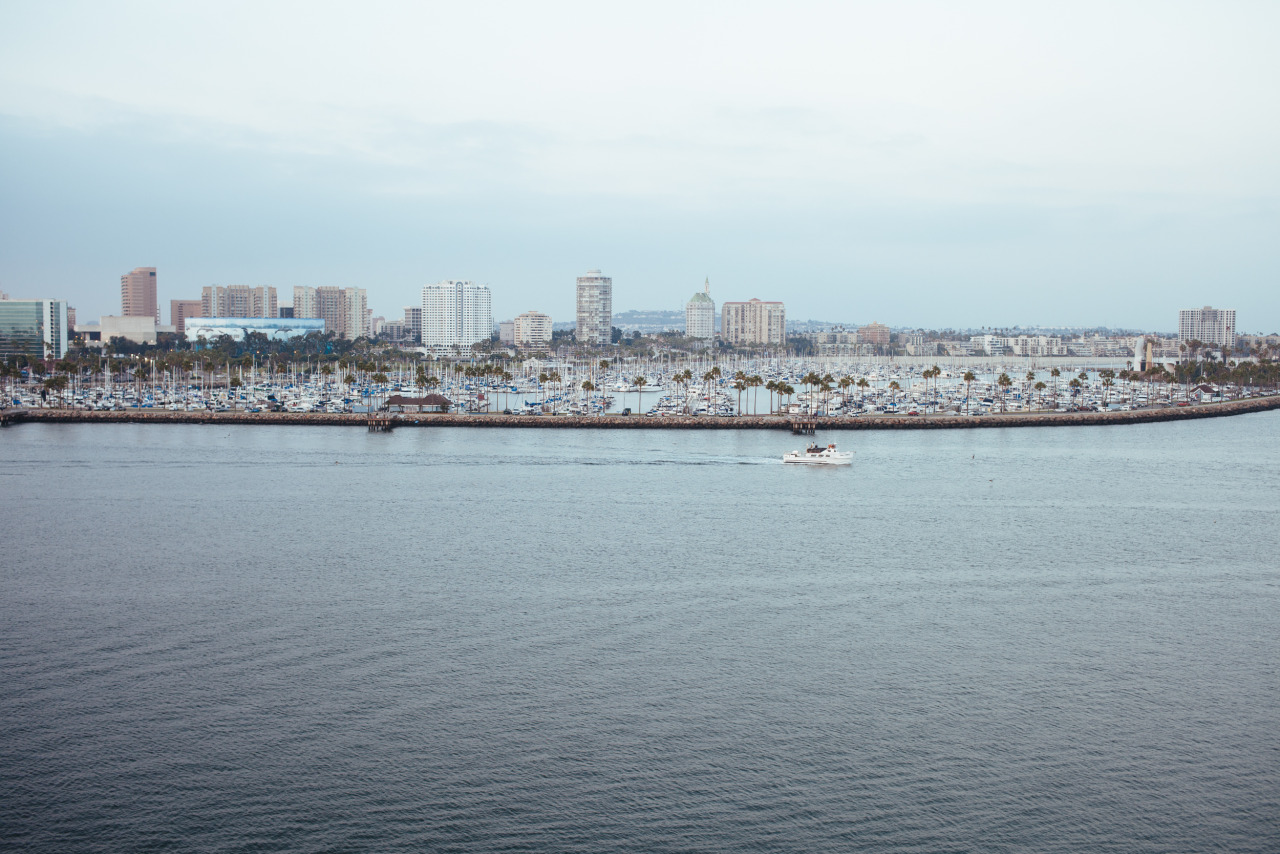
(931, 164)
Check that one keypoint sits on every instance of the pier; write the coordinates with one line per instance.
(381, 422)
(11, 416)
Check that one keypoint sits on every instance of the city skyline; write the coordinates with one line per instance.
(915, 163)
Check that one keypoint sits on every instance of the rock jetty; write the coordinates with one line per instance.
(633, 422)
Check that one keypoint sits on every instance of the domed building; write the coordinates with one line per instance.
(700, 315)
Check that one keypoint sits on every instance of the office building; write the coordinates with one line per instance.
(507, 332)
(456, 314)
(238, 301)
(138, 294)
(700, 314)
(1214, 326)
(180, 310)
(753, 322)
(33, 327)
(345, 311)
(595, 309)
(532, 329)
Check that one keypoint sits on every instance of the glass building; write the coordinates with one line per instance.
(33, 327)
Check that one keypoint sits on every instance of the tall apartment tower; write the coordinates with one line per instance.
(1216, 326)
(753, 322)
(138, 294)
(345, 311)
(700, 315)
(595, 308)
(456, 314)
(238, 301)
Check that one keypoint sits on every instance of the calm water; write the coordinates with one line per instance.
(317, 639)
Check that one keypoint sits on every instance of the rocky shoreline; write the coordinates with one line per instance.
(749, 422)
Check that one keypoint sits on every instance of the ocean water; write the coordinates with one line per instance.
(320, 639)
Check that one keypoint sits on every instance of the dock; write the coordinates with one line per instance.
(11, 416)
(381, 422)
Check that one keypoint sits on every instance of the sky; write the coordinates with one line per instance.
(917, 163)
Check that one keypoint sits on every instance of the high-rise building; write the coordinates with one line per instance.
(1216, 326)
(532, 329)
(138, 294)
(507, 332)
(700, 314)
(595, 309)
(238, 301)
(456, 314)
(33, 327)
(181, 309)
(71, 319)
(413, 323)
(345, 311)
(753, 322)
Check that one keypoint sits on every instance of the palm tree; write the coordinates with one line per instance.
(640, 382)
(969, 377)
(740, 386)
(755, 381)
(864, 385)
(893, 391)
(1055, 373)
(1031, 378)
(1040, 387)
(588, 387)
(1004, 382)
(707, 378)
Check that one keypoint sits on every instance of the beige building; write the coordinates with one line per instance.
(532, 329)
(180, 310)
(345, 311)
(753, 322)
(238, 301)
(138, 294)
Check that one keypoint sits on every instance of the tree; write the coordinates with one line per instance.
(1004, 381)
(863, 385)
(640, 382)
(740, 386)
(1040, 387)
(1055, 373)
(969, 377)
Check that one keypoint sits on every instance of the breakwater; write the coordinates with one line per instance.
(621, 422)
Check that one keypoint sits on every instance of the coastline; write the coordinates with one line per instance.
(633, 422)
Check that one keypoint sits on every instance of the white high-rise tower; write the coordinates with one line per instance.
(595, 308)
(456, 314)
(700, 314)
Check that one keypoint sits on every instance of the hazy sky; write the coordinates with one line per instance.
(934, 164)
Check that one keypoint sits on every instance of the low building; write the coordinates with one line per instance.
(275, 328)
(532, 330)
(430, 403)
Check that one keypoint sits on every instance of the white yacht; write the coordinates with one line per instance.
(816, 455)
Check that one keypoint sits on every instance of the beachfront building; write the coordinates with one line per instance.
(33, 327)
(345, 311)
(138, 294)
(413, 323)
(238, 301)
(753, 322)
(595, 309)
(456, 314)
(532, 329)
(180, 310)
(700, 315)
(275, 328)
(1216, 326)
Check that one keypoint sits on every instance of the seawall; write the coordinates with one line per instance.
(633, 422)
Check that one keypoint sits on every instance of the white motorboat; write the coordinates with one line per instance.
(816, 455)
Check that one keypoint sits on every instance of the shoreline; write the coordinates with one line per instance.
(641, 422)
